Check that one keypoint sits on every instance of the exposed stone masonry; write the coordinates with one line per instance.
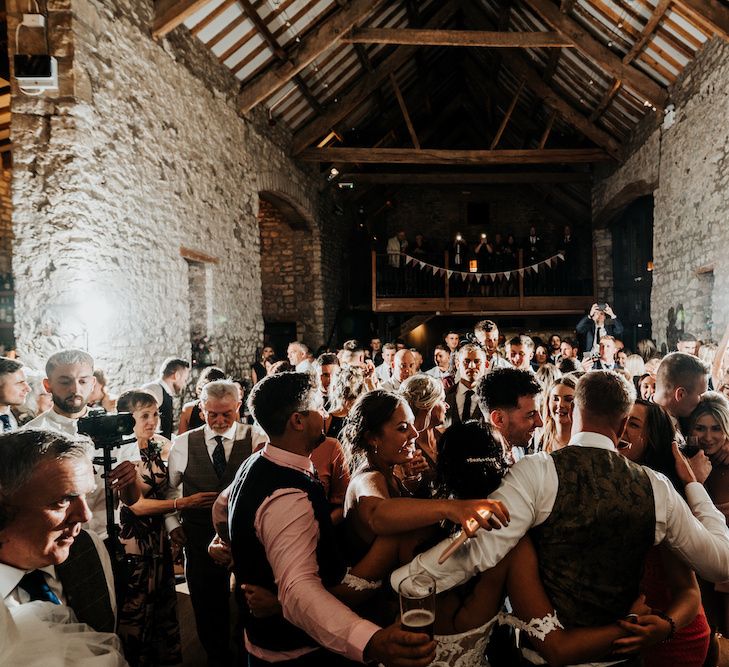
(141, 152)
(685, 165)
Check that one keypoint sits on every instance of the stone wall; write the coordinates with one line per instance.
(291, 284)
(685, 164)
(141, 153)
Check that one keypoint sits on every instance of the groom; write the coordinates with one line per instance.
(593, 516)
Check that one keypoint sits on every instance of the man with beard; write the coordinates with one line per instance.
(508, 398)
(461, 398)
(282, 539)
(205, 460)
(46, 478)
(70, 381)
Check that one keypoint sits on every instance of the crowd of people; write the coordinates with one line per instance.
(567, 498)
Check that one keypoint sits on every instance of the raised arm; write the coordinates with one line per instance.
(528, 490)
(717, 367)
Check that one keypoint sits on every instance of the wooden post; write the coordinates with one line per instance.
(374, 281)
(594, 274)
(447, 284)
(521, 279)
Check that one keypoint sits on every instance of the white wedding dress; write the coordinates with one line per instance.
(466, 649)
(43, 634)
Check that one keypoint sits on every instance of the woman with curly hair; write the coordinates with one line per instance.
(348, 384)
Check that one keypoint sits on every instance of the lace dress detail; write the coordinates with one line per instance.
(538, 628)
(466, 649)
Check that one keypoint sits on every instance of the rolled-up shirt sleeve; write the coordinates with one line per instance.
(697, 534)
(528, 491)
(176, 464)
(286, 526)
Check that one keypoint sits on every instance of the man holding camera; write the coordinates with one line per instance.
(600, 322)
(70, 381)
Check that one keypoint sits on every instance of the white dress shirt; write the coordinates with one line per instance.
(497, 361)
(305, 367)
(52, 421)
(393, 384)
(177, 461)
(437, 372)
(529, 491)
(156, 388)
(383, 372)
(461, 400)
(14, 596)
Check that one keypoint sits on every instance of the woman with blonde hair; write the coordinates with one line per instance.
(635, 365)
(557, 414)
(426, 397)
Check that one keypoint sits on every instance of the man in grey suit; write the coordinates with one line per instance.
(461, 398)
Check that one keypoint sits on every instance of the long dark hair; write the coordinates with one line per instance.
(470, 463)
(660, 434)
(370, 412)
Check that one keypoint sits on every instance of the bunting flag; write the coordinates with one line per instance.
(550, 262)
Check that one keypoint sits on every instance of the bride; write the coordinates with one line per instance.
(43, 634)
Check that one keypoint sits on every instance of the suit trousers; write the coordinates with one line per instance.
(209, 586)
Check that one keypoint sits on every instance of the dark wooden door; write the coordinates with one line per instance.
(632, 236)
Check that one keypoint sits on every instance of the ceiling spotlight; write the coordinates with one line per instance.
(333, 173)
(345, 185)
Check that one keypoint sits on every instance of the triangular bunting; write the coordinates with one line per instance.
(507, 275)
(421, 265)
(450, 273)
(435, 270)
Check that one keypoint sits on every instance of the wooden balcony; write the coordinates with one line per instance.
(410, 289)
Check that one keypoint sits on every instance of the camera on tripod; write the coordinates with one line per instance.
(106, 430)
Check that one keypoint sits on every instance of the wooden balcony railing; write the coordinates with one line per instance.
(557, 290)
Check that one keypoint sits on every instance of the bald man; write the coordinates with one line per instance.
(405, 365)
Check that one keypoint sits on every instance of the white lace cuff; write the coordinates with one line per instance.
(359, 584)
(538, 628)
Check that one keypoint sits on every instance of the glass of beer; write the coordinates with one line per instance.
(417, 604)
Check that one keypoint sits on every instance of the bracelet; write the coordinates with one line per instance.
(174, 505)
(666, 617)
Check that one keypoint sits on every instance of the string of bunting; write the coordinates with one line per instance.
(479, 277)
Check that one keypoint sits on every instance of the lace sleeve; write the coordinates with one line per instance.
(359, 584)
(538, 628)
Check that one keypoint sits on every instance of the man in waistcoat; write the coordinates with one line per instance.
(45, 478)
(586, 505)
(282, 539)
(204, 460)
(173, 376)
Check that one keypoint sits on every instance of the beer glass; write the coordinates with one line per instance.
(417, 603)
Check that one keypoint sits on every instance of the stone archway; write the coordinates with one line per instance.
(291, 285)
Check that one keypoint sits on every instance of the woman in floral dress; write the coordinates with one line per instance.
(148, 618)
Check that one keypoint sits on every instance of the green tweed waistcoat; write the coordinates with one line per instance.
(592, 547)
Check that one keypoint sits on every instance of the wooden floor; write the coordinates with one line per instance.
(192, 652)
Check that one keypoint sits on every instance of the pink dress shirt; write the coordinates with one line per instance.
(286, 528)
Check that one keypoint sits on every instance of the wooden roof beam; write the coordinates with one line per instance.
(479, 38)
(507, 116)
(520, 67)
(168, 14)
(404, 109)
(448, 156)
(647, 31)
(606, 99)
(547, 129)
(466, 178)
(364, 87)
(278, 51)
(317, 42)
(600, 54)
(711, 12)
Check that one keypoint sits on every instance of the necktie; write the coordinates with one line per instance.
(5, 421)
(466, 415)
(34, 584)
(219, 457)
